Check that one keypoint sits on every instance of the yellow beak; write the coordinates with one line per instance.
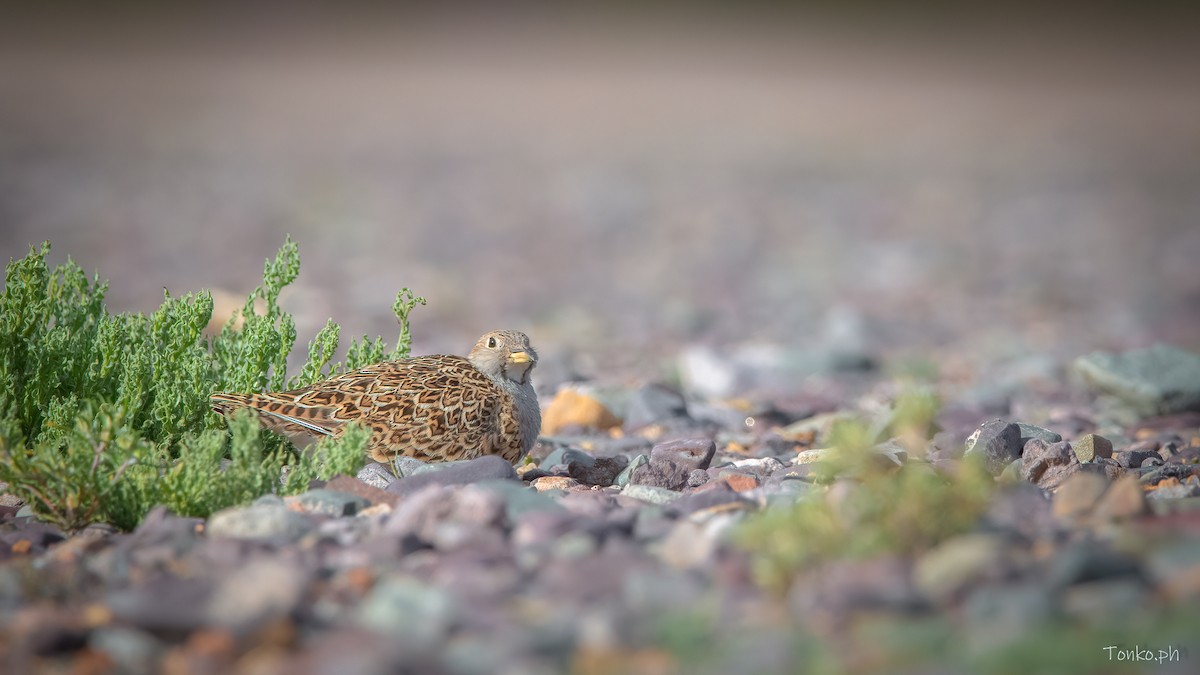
(519, 357)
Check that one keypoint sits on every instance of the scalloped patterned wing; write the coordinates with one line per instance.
(432, 408)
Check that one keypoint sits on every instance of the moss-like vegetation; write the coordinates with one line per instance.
(104, 415)
(874, 507)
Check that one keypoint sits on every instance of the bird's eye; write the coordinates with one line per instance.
(491, 343)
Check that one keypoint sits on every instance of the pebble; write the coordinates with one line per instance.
(998, 442)
(1047, 466)
(1090, 446)
(488, 467)
(600, 471)
(554, 483)
(1133, 459)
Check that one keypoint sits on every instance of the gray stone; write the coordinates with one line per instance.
(327, 502)
(1133, 459)
(692, 453)
(1090, 446)
(269, 521)
(650, 494)
(1156, 381)
(697, 478)
(1047, 466)
(565, 455)
(489, 467)
(1029, 431)
(626, 475)
(598, 471)
(997, 442)
(408, 610)
(376, 475)
(652, 404)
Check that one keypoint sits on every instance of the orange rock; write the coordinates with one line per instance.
(572, 408)
(741, 482)
(554, 483)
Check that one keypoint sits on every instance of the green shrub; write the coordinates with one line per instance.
(103, 415)
(876, 508)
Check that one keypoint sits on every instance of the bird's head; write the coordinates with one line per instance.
(504, 354)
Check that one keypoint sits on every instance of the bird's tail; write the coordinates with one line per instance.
(272, 413)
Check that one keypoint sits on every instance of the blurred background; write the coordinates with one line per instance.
(623, 183)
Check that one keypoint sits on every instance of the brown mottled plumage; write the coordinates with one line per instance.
(434, 408)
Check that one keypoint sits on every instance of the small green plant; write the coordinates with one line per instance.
(103, 415)
(875, 507)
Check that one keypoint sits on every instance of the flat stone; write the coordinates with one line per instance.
(1030, 431)
(693, 453)
(650, 494)
(267, 521)
(998, 442)
(489, 467)
(740, 482)
(1157, 381)
(1090, 446)
(324, 501)
(554, 483)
